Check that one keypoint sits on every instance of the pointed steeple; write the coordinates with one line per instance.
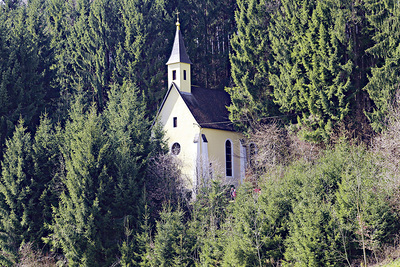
(179, 63)
(178, 53)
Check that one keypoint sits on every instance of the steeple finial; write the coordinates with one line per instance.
(177, 19)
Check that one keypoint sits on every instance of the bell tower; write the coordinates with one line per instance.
(179, 63)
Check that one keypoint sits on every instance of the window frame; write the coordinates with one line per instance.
(177, 149)
(229, 171)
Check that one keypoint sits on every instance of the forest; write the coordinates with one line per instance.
(86, 177)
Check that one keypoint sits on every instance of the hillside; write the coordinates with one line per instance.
(86, 177)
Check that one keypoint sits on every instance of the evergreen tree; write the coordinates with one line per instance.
(26, 187)
(129, 135)
(172, 243)
(83, 223)
(207, 27)
(46, 153)
(252, 233)
(60, 17)
(366, 219)
(252, 95)
(385, 75)
(17, 188)
(311, 75)
(92, 48)
(25, 75)
(143, 51)
(208, 215)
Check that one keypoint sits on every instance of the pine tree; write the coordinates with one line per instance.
(172, 243)
(17, 188)
(129, 135)
(311, 75)
(252, 95)
(83, 223)
(143, 51)
(385, 75)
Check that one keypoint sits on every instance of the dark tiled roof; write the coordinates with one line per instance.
(178, 53)
(209, 107)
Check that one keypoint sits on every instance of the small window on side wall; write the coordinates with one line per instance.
(174, 75)
(184, 75)
(175, 122)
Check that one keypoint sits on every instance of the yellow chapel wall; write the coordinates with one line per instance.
(184, 133)
(216, 151)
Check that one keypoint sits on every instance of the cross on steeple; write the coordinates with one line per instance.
(177, 19)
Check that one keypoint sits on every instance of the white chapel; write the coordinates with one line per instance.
(197, 127)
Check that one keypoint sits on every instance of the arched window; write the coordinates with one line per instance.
(228, 157)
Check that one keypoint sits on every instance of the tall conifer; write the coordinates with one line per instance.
(251, 95)
(311, 75)
(384, 81)
(129, 134)
(143, 50)
(17, 188)
(82, 225)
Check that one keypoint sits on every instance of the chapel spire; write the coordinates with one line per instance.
(178, 53)
(179, 63)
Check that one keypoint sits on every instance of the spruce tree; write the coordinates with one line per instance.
(385, 75)
(83, 223)
(60, 16)
(311, 75)
(17, 190)
(91, 46)
(25, 75)
(129, 135)
(46, 160)
(207, 27)
(172, 243)
(143, 51)
(252, 95)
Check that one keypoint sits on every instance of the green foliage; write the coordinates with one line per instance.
(16, 190)
(25, 78)
(83, 221)
(384, 79)
(142, 52)
(252, 95)
(207, 27)
(129, 135)
(208, 215)
(46, 164)
(365, 216)
(250, 233)
(311, 74)
(105, 157)
(91, 45)
(27, 187)
(173, 243)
